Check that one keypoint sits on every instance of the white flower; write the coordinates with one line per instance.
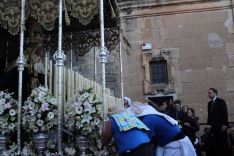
(79, 125)
(36, 100)
(43, 89)
(75, 99)
(92, 110)
(11, 126)
(2, 101)
(33, 119)
(86, 118)
(86, 94)
(53, 101)
(97, 121)
(42, 99)
(1, 93)
(31, 105)
(34, 92)
(41, 94)
(26, 151)
(49, 125)
(78, 110)
(50, 115)
(38, 115)
(32, 112)
(35, 129)
(40, 122)
(76, 104)
(1, 111)
(12, 112)
(70, 151)
(7, 95)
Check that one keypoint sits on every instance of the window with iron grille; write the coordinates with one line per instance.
(158, 71)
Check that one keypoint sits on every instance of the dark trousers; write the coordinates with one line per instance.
(142, 150)
(220, 143)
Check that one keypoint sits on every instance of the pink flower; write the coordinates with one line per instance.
(7, 105)
(44, 107)
(86, 105)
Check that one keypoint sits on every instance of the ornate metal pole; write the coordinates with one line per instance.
(103, 53)
(59, 57)
(20, 62)
(121, 64)
(71, 52)
(46, 63)
(95, 63)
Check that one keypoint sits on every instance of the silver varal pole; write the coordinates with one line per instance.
(21, 63)
(95, 63)
(59, 57)
(103, 53)
(47, 64)
(71, 52)
(121, 65)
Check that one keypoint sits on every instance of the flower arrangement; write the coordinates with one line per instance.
(28, 150)
(39, 111)
(83, 117)
(84, 113)
(8, 113)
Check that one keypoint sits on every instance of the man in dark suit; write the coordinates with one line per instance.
(218, 122)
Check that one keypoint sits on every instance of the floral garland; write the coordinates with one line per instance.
(8, 113)
(83, 117)
(39, 111)
(28, 150)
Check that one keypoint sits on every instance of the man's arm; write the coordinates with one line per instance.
(224, 115)
(107, 133)
(209, 114)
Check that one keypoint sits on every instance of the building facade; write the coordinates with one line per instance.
(180, 48)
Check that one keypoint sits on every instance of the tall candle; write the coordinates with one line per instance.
(51, 76)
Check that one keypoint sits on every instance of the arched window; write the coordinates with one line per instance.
(158, 71)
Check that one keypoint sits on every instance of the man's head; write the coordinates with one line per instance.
(127, 102)
(177, 105)
(212, 92)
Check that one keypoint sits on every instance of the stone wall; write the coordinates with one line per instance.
(201, 40)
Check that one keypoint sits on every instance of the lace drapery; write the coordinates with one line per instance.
(83, 10)
(46, 12)
(10, 15)
(83, 41)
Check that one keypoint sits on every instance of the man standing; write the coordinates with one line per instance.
(218, 122)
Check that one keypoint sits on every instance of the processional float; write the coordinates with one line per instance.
(73, 78)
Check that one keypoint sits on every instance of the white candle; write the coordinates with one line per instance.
(51, 76)
(68, 83)
(56, 79)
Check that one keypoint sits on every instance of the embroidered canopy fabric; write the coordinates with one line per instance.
(81, 18)
(46, 12)
(82, 41)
